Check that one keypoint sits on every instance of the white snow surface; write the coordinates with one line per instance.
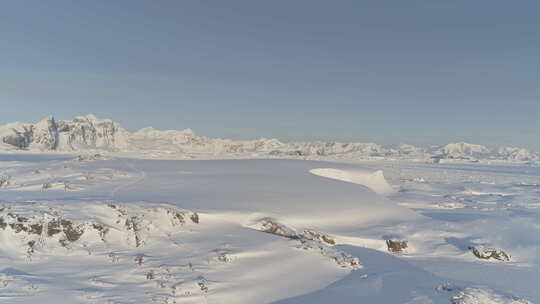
(126, 230)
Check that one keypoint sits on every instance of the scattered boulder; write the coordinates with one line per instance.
(195, 218)
(90, 157)
(273, 227)
(489, 253)
(114, 257)
(68, 187)
(223, 256)
(4, 181)
(203, 284)
(139, 260)
(396, 246)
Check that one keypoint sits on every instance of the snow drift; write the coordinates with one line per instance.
(373, 180)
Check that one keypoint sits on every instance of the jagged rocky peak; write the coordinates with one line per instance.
(45, 134)
(66, 135)
(93, 132)
(16, 134)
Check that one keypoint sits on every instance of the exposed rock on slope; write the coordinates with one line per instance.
(489, 253)
(33, 229)
(81, 133)
(310, 240)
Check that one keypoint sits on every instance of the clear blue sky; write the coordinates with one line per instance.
(386, 71)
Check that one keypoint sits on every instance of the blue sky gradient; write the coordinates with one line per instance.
(422, 72)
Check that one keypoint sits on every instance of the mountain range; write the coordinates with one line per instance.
(90, 134)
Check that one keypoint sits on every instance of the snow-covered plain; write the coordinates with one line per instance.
(130, 230)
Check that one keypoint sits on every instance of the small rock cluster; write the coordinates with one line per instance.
(396, 246)
(311, 240)
(4, 180)
(489, 253)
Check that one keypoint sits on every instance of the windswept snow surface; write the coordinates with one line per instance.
(373, 180)
(119, 230)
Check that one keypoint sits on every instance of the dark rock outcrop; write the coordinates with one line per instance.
(489, 253)
(396, 246)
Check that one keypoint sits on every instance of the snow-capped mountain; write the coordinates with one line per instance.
(517, 154)
(463, 151)
(84, 133)
(186, 141)
(81, 133)
(467, 151)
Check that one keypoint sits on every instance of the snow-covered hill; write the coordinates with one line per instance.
(88, 133)
(463, 150)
